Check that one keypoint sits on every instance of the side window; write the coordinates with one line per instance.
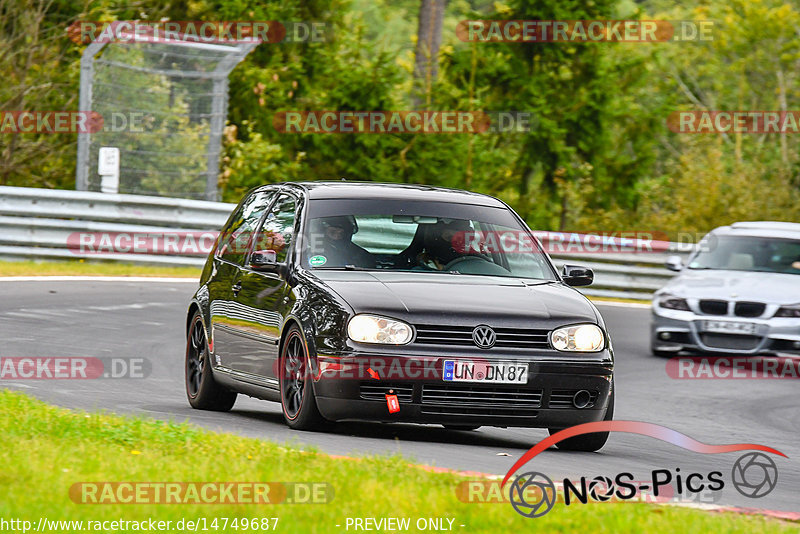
(277, 233)
(236, 238)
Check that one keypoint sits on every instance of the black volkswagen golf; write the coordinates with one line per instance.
(381, 302)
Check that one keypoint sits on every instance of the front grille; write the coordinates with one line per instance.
(462, 335)
(478, 410)
(378, 391)
(480, 395)
(714, 307)
(562, 398)
(726, 341)
(749, 309)
(451, 399)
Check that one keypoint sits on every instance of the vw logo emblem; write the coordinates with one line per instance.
(484, 337)
(532, 494)
(754, 475)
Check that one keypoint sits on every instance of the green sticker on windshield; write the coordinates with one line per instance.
(317, 261)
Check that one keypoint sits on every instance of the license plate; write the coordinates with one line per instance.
(728, 327)
(485, 372)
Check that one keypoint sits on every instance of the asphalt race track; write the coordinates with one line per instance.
(146, 319)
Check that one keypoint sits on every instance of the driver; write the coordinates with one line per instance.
(439, 243)
(337, 246)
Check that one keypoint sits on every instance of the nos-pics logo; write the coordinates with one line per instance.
(533, 494)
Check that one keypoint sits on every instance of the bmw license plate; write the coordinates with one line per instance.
(485, 372)
(729, 327)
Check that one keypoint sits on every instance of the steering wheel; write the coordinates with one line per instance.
(474, 264)
(466, 259)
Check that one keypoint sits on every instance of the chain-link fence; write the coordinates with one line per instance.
(164, 105)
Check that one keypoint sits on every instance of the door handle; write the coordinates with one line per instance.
(236, 288)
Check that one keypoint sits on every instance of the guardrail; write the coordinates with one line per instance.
(41, 224)
(630, 268)
(37, 224)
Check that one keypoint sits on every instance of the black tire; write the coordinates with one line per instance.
(203, 392)
(588, 442)
(662, 353)
(298, 402)
(464, 428)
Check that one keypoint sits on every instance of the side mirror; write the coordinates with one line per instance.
(264, 261)
(674, 263)
(575, 275)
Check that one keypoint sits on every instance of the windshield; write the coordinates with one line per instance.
(430, 237)
(740, 253)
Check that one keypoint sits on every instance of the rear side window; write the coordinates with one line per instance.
(237, 236)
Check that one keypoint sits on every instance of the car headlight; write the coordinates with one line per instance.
(366, 328)
(788, 311)
(673, 303)
(578, 338)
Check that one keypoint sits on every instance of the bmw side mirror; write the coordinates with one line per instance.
(674, 263)
(575, 275)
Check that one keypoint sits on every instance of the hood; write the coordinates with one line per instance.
(771, 288)
(438, 298)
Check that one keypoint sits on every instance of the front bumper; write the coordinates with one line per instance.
(544, 401)
(676, 330)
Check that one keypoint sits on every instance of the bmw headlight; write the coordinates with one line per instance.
(673, 303)
(366, 328)
(788, 311)
(578, 338)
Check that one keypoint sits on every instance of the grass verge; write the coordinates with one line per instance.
(80, 268)
(47, 449)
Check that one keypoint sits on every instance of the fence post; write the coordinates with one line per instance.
(85, 106)
(219, 109)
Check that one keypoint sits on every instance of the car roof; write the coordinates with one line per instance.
(777, 229)
(383, 191)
